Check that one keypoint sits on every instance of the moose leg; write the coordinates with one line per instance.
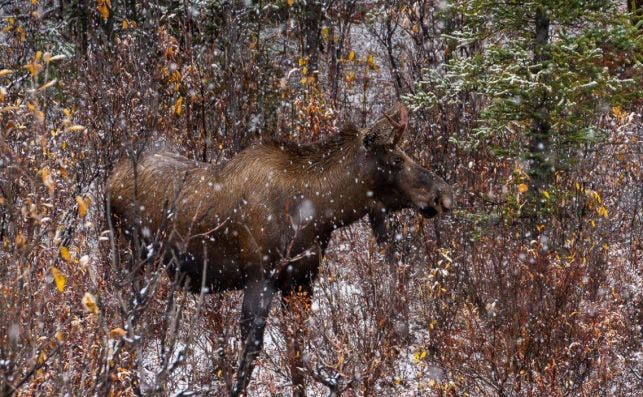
(257, 298)
(297, 301)
(296, 294)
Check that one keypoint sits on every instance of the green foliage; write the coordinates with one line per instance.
(570, 86)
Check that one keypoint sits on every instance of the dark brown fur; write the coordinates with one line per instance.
(263, 220)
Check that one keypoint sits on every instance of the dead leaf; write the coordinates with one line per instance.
(89, 303)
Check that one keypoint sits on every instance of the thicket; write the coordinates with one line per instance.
(531, 111)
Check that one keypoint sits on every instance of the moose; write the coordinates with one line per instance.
(262, 221)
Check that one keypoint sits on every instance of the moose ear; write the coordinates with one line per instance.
(389, 128)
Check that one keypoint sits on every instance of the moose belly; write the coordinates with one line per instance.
(212, 274)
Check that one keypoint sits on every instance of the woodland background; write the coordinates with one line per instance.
(531, 110)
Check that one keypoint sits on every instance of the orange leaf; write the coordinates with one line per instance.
(82, 206)
(117, 333)
(103, 7)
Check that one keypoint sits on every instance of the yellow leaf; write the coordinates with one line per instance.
(38, 114)
(75, 128)
(55, 58)
(47, 85)
(21, 241)
(290, 3)
(419, 356)
(546, 194)
(602, 211)
(302, 61)
(370, 61)
(597, 197)
(32, 68)
(65, 254)
(82, 206)
(5, 72)
(620, 115)
(59, 279)
(523, 187)
(8, 109)
(59, 336)
(325, 32)
(351, 55)
(125, 24)
(47, 179)
(89, 303)
(178, 106)
(117, 333)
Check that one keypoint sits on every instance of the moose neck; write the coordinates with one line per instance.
(335, 182)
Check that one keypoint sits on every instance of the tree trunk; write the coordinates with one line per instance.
(540, 139)
(312, 20)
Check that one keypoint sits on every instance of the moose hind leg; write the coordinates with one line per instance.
(257, 298)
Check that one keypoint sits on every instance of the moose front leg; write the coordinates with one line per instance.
(297, 302)
(257, 298)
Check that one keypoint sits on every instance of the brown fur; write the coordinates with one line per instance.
(271, 202)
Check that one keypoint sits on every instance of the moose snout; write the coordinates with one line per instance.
(430, 194)
(444, 200)
(437, 202)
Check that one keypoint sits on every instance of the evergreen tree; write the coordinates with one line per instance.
(546, 70)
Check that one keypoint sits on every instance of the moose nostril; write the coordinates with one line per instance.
(447, 202)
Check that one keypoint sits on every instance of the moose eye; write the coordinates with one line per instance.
(396, 161)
